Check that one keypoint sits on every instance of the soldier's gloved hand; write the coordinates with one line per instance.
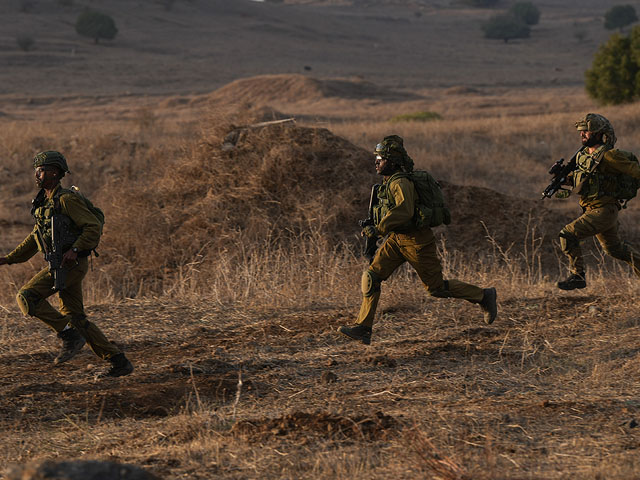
(370, 231)
(563, 193)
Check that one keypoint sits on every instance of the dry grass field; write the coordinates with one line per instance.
(231, 254)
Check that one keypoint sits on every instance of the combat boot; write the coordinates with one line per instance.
(357, 332)
(120, 366)
(575, 280)
(489, 305)
(72, 343)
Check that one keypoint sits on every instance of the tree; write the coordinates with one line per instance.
(96, 25)
(526, 11)
(619, 17)
(505, 27)
(613, 76)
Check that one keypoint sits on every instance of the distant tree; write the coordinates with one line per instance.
(505, 27)
(619, 17)
(613, 76)
(25, 42)
(96, 25)
(525, 11)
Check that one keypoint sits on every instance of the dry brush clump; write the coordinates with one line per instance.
(233, 194)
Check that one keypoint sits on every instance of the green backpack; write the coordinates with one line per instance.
(431, 209)
(99, 214)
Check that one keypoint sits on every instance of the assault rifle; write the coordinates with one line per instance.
(560, 172)
(370, 244)
(61, 240)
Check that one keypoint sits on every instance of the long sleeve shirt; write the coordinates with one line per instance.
(398, 217)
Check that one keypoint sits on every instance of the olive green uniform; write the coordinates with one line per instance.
(32, 296)
(405, 243)
(595, 183)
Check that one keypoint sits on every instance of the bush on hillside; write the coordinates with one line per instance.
(25, 42)
(613, 77)
(525, 11)
(619, 17)
(96, 25)
(505, 27)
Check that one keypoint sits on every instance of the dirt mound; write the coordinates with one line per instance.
(283, 88)
(376, 427)
(487, 223)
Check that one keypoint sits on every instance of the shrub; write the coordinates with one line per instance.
(505, 27)
(25, 42)
(619, 16)
(613, 76)
(526, 11)
(417, 117)
(96, 25)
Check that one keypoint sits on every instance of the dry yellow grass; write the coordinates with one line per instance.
(546, 392)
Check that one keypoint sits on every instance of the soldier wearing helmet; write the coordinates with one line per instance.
(70, 322)
(600, 178)
(405, 242)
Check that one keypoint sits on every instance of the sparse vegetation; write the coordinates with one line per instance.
(25, 42)
(505, 27)
(525, 11)
(416, 117)
(620, 16)
(96, 25)
(613, 76)
(480, 3)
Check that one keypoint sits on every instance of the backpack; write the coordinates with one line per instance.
(97, 212)
(431, 210)
(620, 186)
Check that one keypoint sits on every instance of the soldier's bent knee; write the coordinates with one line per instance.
(568, 240)
(370, 283)
(28, 300)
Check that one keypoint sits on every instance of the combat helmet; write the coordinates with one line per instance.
(391, 148)
(596, 123)
(51, 158)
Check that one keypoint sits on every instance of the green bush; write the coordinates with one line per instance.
(417, 117)
(526, 11)
(25, 42)
(505, 27)
(96, 25)
(619, 17)
(613, 76)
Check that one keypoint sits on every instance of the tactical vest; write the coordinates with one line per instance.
(591, 183)
(430, 208)
(43, 209)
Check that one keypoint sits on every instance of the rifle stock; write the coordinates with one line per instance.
(61, 240)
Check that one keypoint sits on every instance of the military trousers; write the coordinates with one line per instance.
(32, 299)
(602, 223)
(419, 250)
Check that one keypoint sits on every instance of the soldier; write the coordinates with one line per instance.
(394, 217)
(70, 323)
(600, 174)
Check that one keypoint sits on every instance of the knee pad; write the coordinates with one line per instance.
(568, 240)
(28, 301)
(370, 283)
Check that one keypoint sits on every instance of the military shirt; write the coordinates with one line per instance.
(398, 215)
(84, 221)
(596, 188)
